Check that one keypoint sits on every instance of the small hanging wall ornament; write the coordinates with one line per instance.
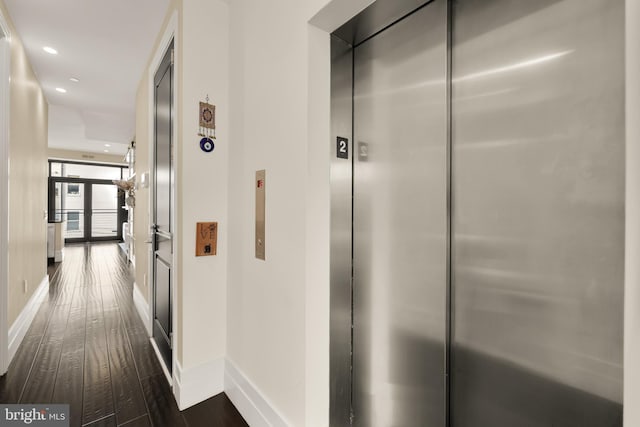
(207, 126)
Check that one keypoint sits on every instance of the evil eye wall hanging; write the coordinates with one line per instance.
(207, 126)
(207, 145)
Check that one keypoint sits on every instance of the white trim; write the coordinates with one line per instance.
(199, 383)
(161, 360)
(22, 323)
(250, 402)
(143, 307)
(170, 34)
(59, 255)
(336, 12)
(5, 82)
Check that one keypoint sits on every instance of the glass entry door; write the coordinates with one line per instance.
(104, 211)
(70, 207)
(92, 209)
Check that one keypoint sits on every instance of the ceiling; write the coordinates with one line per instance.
(104, 44)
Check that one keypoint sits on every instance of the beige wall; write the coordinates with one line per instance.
(141, 210)
(27, 178)
(203, 181)
(266, 299)
(278, 309)
(82, 156)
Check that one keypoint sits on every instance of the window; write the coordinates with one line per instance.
(62, 169)
(74, 170)
(56, 169)
(73, 221)
(73, 189)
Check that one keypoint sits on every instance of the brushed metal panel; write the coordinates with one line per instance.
(538, 140)
(341, 246)
(261, 183)
(400, 223)
(375, 18)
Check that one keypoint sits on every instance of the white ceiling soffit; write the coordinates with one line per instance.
(70, 132)
(104, 44)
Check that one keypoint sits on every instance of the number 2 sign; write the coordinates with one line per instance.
(342, 148)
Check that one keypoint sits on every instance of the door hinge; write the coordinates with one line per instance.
(172, 56)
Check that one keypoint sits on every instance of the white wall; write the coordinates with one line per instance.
(266, 303)
(278, 309)
(632, 250)
(203, 181)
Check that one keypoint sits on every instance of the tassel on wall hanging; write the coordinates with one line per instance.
(207, 126)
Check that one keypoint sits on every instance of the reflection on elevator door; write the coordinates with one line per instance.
(400, 224)
(483, 209)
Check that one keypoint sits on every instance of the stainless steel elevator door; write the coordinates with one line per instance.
(400, 223)
(538, 187)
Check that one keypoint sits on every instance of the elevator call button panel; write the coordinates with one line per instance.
(261, 183)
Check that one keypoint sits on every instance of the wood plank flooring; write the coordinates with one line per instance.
(88, 347)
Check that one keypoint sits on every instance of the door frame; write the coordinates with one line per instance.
(5, 74)
(170, 35)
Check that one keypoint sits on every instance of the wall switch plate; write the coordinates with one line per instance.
(144, 180)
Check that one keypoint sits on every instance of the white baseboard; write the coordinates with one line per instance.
(19, 329)
(142, 306)
(250, 402)
(199, 383)
(59, 255)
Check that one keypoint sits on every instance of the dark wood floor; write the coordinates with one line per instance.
(88, 347)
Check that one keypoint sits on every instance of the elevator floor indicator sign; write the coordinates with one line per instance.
(342, 148)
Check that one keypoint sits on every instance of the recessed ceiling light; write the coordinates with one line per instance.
(50, 50)
(107, 145)
(61, 90)
(75, 80)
